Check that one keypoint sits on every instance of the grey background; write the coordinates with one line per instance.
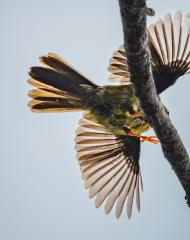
(41, 191)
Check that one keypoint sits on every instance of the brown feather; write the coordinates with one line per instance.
(106, 167)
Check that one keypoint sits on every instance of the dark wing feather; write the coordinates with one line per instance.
(109, 166)
(59, 87)
(169, 43)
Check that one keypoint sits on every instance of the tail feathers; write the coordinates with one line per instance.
(109, 166)
(49, 105)
(169, 43)
(64, 68)
(51, 101)
(59, 87)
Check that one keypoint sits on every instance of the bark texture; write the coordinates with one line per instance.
(133, 15)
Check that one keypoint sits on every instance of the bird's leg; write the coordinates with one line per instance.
(152, 139)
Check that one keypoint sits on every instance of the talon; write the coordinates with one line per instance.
(152, 139)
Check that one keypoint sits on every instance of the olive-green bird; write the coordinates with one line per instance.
(108, 138)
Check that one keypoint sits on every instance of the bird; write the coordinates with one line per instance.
(108, 139)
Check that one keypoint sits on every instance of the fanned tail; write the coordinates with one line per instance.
(169, 43)
(109, 166)
(58, 86)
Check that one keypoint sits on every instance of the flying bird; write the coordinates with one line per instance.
(109, 135)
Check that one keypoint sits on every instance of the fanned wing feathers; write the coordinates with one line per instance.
(118, 67)
(110, 163)
(170, 38)
(169, 42)
(59, 87)
(109, 166)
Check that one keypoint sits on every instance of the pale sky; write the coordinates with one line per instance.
(42, 196)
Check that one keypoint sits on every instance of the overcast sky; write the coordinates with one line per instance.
(42, 196)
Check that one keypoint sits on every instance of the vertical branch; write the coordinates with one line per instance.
(133, 15)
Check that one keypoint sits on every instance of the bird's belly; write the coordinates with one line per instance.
(120, 123)
(143, 127)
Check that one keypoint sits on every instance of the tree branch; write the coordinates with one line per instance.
(133, 15)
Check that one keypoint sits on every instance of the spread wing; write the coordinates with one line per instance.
(118, 67)
(109, 166)
(169, 43)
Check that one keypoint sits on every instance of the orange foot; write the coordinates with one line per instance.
(152, 139)
(137, 114)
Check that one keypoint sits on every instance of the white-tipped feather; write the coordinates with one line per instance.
(106, 169)
(104, 192)
(102, 182)
(123, 195)
(131, 196)
(168, 33)
(177, 34)
(185, 38)
(161, 40)
(138, 195)
(116, 191)
(169, 42)
(104, 174)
